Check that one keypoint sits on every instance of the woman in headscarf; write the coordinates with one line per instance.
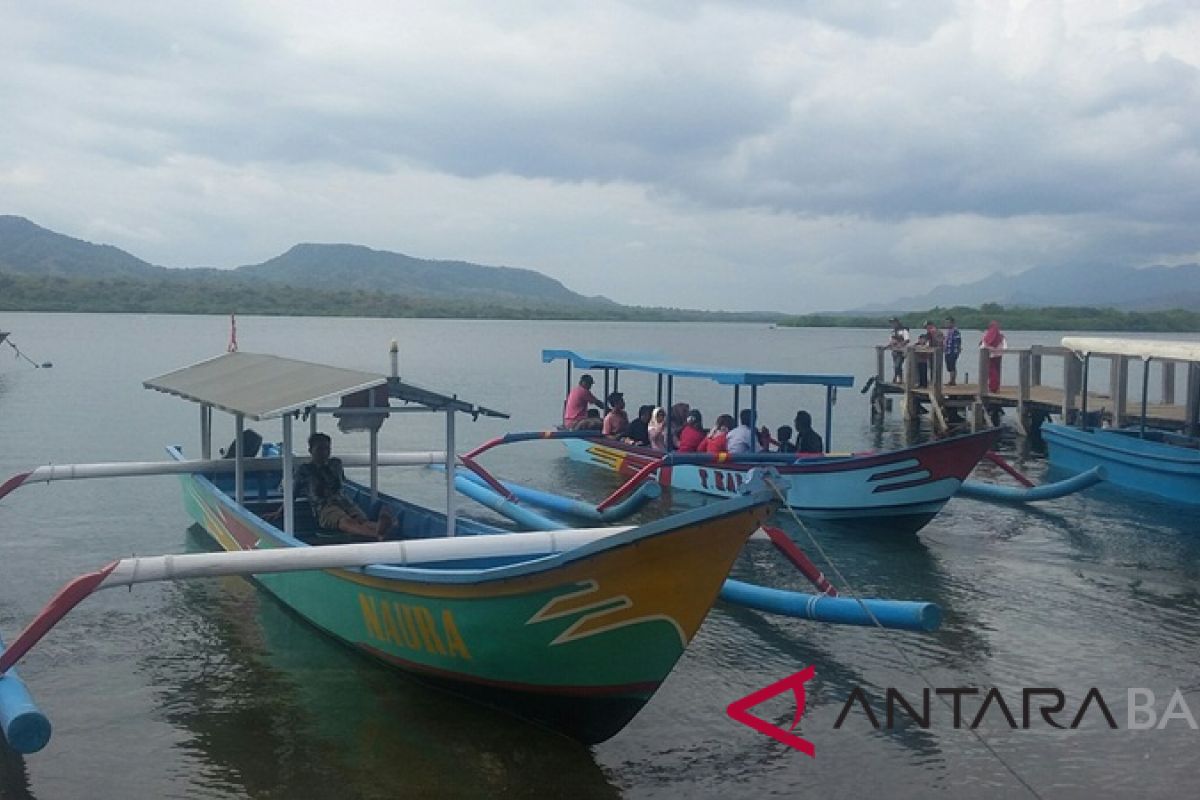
(657, 428)
(994, 342)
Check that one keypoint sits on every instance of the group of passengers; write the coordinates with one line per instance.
(686, 429)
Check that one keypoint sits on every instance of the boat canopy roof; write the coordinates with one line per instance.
(661, 365)
(263, 387)
(1141, 348)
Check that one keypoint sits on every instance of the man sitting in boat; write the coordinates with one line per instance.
(784, 435)
(740, 437)
(575, 416)
(616, 421)
(807, 440)
(321, 480)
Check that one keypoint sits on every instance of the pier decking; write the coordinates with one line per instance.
(1030, 396)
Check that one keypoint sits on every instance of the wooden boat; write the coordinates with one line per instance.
(1155, 461)
(572, 629)
(897, 490)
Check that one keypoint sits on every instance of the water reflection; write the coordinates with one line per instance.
(249, 679)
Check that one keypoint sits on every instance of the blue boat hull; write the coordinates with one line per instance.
(897, 490)
(1140, 465)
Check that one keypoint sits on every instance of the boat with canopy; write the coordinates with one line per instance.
(574, 629)
(1163, 460)
(897, 490)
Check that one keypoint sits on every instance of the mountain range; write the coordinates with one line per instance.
(44, 270)
(1157, 288)
(28, 249)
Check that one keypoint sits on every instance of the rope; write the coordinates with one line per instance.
(849, 591)
(13, 345)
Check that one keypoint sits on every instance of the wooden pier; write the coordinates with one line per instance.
(1032, 399)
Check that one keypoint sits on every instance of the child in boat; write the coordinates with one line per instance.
(784, 435)
(321, 480)
(692, 434)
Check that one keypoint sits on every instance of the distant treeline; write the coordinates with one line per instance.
(1056, 318)
(217, 294)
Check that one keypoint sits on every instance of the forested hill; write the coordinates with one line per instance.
(41, 270)
(28, 249)
(353, 267)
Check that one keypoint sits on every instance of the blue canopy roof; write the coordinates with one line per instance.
(639, 362)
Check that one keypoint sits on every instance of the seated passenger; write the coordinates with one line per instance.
(251, 442)
(784, 435)
(575, 416)
(717, 440)
(679, 413)
(741, 436)
(616, 421)
(639, 429)
(807, 440)
(657, 429)
(692, 433)
(321, 482)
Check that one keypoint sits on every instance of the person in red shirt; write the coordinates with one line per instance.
(692, 434)
(717, 439)
(575, 410)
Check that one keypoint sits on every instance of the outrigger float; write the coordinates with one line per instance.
(574, 629)
(1157, 461)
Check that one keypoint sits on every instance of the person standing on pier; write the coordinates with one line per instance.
(995, 342)
(898, 342)
(953, 348)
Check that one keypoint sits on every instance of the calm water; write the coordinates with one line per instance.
(209, 689)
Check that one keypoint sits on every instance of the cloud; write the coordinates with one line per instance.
(796, 156)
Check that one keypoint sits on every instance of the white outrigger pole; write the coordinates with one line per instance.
(259, 387)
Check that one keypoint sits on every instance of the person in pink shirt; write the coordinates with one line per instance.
(692, 434)
(575, 410)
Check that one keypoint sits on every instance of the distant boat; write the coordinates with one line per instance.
(895, 490)
(1164, 463)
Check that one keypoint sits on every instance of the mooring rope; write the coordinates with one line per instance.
(848, 590)
(13, 345)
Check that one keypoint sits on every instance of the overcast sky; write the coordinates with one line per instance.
(792, 156)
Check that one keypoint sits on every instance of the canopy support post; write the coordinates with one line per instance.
(239, 469)
(374, 451)
(205, 431)
(829, 390)
(753, 418)
(660, 394)
(606, 390)
(670, 404)
(451, 495)
(289, 507)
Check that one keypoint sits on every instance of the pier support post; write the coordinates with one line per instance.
(910, 381)
(1118, 379)
(1072, 382)
(1168, 382)
(1024, 382)
(937, 401)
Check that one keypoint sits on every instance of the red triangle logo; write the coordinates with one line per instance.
(739, 710)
